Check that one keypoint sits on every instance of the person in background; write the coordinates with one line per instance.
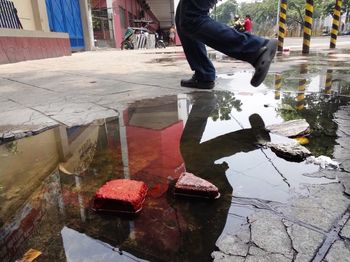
(237, 24)
(196, 30)
(248, 25)
(172, 35)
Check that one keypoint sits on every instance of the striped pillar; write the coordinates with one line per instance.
(300, 99)
(309, 10)
(336, 22)
(282, 24)
(278, 85)
(328, 84)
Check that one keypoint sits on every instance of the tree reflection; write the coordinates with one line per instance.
(225, 102)
(319, 113)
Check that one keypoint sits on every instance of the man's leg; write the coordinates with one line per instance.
(195, 22)
(196, 54)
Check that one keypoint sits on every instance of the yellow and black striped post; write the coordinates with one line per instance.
(278, 85)
(300, 99)
(309, 10)
(336, 23)
(282, 24)
(328, 84)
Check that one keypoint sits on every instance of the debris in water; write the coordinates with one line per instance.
(302, 140)
(291, 128)
(30, 256)
(323, 161)
(120, 196)
(193, 186)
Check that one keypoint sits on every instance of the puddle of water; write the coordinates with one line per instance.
(48, 180)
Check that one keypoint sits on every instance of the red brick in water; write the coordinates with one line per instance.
(191, 185)
(121, 195)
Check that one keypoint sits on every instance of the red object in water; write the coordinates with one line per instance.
(120, 195)
(193, 186)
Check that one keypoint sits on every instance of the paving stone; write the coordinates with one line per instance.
(76, 114)
(305, 241)
(259, 255)
(289, 151)
(235, 245)
(290, 128)
(318, 210)
(338, 252)
(269, 233)
(345, 232)
(26, 121)
(343, 177)
(330, 174)
(222, 257)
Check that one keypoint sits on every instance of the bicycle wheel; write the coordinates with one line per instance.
(126, 45)
(160, 44)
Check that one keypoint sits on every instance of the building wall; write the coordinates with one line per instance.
(25, 13)
(32, 14)
(20, 45)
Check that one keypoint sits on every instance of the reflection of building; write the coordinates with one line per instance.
(37, 197)
(48, 181)
(153, 133)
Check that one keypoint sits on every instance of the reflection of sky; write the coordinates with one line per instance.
(251, 174)
(80, 247)
(251, 104)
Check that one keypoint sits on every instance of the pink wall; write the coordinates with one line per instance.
(16, 49)
(131, 6)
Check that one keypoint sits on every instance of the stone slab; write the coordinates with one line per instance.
(338, 252)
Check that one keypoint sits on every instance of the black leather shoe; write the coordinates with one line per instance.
(193, 82)
(263, 62)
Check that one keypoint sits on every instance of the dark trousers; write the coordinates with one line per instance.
(196, 29)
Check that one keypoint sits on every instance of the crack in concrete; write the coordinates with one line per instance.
(295, 251)
(250, 242)
(118, 93)
(19, 82)
(265, 205)
(284, 179)
(32, 108)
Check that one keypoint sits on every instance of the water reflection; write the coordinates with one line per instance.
(200, 158)
(48, 180)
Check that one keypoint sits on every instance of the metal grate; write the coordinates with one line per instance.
(8, 15)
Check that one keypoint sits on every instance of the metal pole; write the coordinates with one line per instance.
(336, 23)
(309, 10)
(282, 24)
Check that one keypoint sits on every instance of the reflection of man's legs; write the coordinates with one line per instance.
(203, 105)
(194, 22)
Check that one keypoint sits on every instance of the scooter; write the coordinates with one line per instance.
(159, 41)
(128, 39)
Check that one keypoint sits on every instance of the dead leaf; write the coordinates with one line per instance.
(30, 255)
